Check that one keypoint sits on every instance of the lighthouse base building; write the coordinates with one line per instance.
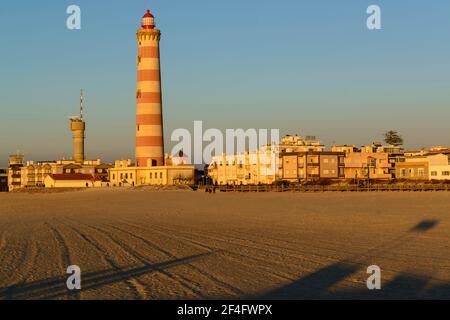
(151, 166)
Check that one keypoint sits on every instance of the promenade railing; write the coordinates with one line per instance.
(330, 188)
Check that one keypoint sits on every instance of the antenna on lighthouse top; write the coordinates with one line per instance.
(81, 104)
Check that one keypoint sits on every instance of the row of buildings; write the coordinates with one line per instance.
(296, 159)
(293, 159)
(92, 173)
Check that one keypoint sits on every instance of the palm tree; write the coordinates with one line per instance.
(393, 138)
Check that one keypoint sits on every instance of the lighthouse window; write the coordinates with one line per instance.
(138, 94)
(137, 127)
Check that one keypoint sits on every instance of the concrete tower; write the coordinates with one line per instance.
(149, 121)
(78, 126)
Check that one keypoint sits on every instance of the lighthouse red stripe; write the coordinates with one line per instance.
(149, 119)
(149, 75)
(148, 52)
(149, 141)
(142, 161)
(149, 97)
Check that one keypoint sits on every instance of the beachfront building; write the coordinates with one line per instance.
(249, 168)
(296, 143)
(367, 165)
(424, 167)
(34, 173)
(345, 149)
(78, 180)
(4, 179)
(125, 173)
(15, 163)
(310, 166)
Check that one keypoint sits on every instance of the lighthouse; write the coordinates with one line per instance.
(149, 120)
(151, 165)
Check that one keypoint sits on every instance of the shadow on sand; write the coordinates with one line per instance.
(55, 288)
(318, 285)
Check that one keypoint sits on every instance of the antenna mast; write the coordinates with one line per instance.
(81, 104)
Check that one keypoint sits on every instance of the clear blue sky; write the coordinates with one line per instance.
(307, 67)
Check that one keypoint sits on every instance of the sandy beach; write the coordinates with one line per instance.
(185, 244)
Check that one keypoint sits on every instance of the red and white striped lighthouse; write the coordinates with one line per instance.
(149, 120)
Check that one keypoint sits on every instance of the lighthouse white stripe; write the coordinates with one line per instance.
(149, 64)
(148, 108)
(149, 86)
(152, 152)
(149, 130)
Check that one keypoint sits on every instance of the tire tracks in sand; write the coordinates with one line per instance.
(65, 260)
(133, 283)
(23, 267)
(128, 250)
(201, 272)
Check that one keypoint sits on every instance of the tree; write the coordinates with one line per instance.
(393, 138)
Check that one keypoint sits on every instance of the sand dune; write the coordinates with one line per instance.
(182, 244)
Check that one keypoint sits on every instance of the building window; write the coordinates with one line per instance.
(446, 173)
(160, 175)
(126, 175)
(121, 176)
(131, 176)
(114, 177)
(151, 175)
(434, 173)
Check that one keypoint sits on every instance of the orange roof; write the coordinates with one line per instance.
(74, 176)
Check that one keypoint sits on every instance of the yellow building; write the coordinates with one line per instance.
(344, 148)
(124, 173)
(424, 167)
(367, 165)
(250, 168)
(296, 143)
(14, 173)
(34, 173)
